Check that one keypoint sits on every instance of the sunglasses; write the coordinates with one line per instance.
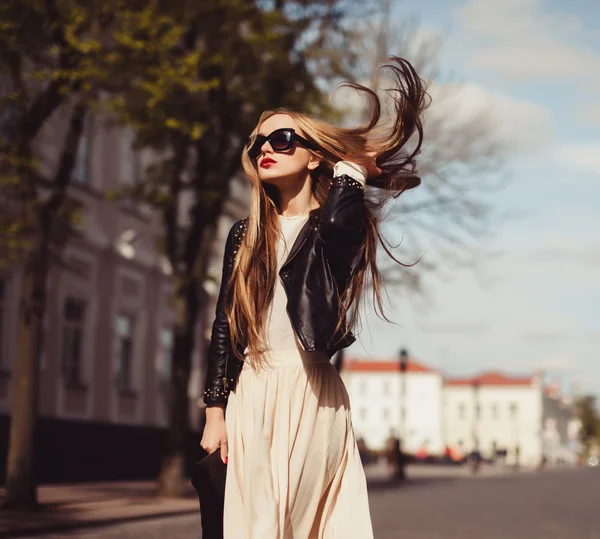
(280, 140)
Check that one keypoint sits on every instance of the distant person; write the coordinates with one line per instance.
(400, 458)
(362, 449)
(395, 459)
(292, 271)
(475, 460)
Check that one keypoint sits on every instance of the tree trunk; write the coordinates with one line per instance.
(20, 474)
(173, 478)
(21, 490)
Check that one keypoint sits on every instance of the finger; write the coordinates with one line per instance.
(209, 447)
(224, 452)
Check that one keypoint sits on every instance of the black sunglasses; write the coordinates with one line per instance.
(280, 140)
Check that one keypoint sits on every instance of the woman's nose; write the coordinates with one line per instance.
(266, 147)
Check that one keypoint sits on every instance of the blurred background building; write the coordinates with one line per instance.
(390, 401)
(106, 361)
(511, 419)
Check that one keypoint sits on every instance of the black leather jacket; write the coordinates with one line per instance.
(315, 275)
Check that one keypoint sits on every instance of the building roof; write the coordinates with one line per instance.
(385, 365)
(491, 379)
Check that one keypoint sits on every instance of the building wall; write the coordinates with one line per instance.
(376, 401)
(113, 268)
(94, 272)
(509, 417)
(560, 431)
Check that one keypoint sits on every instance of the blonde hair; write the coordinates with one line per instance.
(252, 283)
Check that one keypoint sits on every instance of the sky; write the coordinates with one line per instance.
(534, 305)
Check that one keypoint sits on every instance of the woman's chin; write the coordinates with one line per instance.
(268, 176)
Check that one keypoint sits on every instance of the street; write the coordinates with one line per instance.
(550, 505)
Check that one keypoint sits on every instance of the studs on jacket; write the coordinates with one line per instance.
(239, 234)
(215, 395)
(346, 181)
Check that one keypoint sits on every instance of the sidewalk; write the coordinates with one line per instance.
(98, 504)
(88, 505)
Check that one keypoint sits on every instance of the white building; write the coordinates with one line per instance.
(381, 395)
(502, 416)
(508, 417)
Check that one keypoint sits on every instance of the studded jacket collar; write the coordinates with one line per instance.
(315, 275)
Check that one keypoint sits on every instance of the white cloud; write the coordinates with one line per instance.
(588, 112)
(519, 40)
(555, 364)
(586, 156)
(517, 124)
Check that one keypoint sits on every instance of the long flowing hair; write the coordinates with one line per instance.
(252, 283)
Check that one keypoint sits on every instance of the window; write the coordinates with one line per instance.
(514, 410)
(1, 320)
(165, 356)
(494, 411)
(478, 411)
(462, 411)
(386, 387)
(363, 387)
(123, 353)
(386, 413)
(83, 159)
(130, 167)
(363, 413)
(72, 340)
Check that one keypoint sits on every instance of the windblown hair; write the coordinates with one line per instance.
(252, 284)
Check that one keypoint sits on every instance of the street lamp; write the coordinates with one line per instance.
(403, 367)
(398, 447)
(475, 454)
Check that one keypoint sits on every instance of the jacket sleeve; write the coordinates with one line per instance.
(342, 216)
(215, 390)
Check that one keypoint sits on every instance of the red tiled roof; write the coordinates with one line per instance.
(491, 379)
(388, 365)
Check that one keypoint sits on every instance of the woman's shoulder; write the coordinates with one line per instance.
(239, 226)
(237, 232)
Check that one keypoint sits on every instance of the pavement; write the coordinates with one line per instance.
(132, 509)
(70, 506)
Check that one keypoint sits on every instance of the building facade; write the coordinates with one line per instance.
(509, 419)
(495, 414)
(387, 401)
(106, 359)
(515, 419)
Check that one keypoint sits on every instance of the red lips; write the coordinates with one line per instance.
(267, 162)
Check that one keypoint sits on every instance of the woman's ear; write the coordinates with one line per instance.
(314, 161)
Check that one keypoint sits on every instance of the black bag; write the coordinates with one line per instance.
(208, 478)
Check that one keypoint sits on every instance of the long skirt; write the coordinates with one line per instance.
(294, 470)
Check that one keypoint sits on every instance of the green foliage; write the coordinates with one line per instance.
(191, 77)
(590, 420)
(198, 90)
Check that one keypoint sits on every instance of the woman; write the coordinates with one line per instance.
(292, 271)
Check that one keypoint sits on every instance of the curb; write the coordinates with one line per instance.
(53, 527)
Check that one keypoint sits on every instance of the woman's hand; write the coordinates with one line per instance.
(215, 432)
(368, 161)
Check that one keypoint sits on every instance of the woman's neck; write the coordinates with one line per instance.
(297, 199)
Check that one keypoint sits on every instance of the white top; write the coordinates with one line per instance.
(281, 335)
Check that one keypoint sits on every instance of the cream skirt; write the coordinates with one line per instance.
(294, 470)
